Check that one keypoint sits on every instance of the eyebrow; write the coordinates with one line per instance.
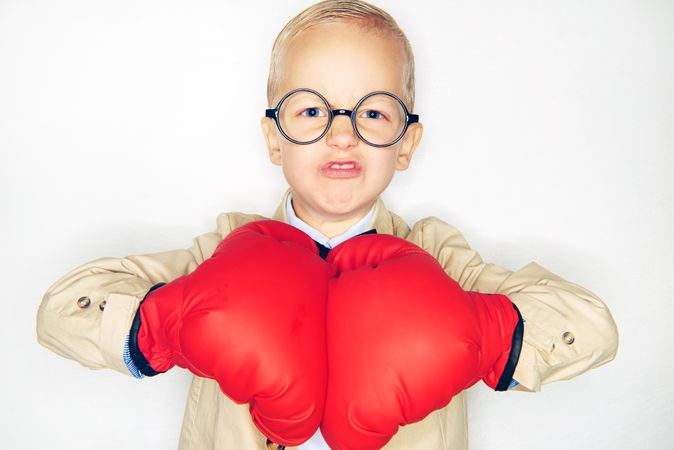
(332, 105)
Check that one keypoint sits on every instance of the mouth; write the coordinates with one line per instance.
(341, 169)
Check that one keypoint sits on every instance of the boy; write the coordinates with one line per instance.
(335, 52)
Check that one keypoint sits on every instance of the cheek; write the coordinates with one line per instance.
(297, 159)
(380, 168)
(386, 161)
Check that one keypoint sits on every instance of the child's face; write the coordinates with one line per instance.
(343, 63)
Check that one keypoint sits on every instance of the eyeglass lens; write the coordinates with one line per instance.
(304, 116)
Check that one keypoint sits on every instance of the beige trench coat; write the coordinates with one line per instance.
(86, 315)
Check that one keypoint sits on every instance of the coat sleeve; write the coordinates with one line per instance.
(86, 314)
(568, 329)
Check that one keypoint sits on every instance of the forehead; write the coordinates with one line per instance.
(343, 61)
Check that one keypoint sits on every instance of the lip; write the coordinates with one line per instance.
(341, 173)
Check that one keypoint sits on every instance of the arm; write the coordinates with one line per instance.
(86, 315)
(568, 329)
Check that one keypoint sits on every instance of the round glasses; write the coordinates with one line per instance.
(303, 116)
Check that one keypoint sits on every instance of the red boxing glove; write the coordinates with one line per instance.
(251, 317)
(403, 338)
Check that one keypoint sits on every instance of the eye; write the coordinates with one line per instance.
(311, 112)
(372, 114)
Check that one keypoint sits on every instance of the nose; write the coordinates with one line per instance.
(341, 134)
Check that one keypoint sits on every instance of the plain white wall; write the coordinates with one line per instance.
(127, 126)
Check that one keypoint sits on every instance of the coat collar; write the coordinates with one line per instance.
(382, 221)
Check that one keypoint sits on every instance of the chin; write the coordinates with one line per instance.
(352, 206)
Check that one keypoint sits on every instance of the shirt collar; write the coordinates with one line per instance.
(355, 229)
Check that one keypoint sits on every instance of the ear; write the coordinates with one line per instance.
(409, 143)
(272, 139)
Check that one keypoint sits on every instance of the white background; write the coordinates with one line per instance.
(127, 126)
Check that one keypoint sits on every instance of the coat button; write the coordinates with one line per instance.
(83, 302)
(568, 337)
(102, 305)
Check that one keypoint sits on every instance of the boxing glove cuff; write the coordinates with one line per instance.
(137, 356)
(514, 356)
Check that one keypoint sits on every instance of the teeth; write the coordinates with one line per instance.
(342, 166)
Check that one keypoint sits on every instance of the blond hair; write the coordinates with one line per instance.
(356, 11)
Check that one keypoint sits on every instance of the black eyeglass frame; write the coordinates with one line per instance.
(273, 114)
